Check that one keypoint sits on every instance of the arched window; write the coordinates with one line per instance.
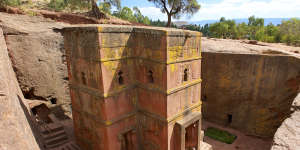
(229, 118)
(185, 74)
(83, 78)
(150, 76)
(120, 78)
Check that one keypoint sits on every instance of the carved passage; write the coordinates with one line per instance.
(150, 76)
(191, 136)
(129, 140)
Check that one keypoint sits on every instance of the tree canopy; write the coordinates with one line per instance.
(10, 2)
(287, 32)
(126, 14)
(177, 8)
(92, 4)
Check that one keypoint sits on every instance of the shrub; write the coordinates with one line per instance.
(220, 135)
(4, 3)
(57, 5)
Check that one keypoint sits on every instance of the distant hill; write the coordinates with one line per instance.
(275, 21)
(180, 23)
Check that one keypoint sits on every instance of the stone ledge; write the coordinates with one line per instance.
(205, 146)
(101, 28)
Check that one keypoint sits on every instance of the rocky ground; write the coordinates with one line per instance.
(243, 141)
(247, 47)
(287, 136)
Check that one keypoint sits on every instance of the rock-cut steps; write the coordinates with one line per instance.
(55, 137)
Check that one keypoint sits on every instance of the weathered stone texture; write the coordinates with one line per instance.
(15, 130)
(287, 137)
(130, 86)
(249, 92)
(38, 57)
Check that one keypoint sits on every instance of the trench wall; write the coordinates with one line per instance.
(249, 92)
(16, 133)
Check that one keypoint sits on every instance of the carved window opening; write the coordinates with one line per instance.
(150, 76)
(83, 78)
(185, 74)
(128, 140)
(229, 118)
(204, 99)
(120, 78)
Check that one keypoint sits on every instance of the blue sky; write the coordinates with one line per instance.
(231, 9)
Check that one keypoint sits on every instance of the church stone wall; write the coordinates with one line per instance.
(131, 87)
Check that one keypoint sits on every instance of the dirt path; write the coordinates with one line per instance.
(243, 142)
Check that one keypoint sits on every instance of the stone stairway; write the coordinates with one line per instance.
(54, 136)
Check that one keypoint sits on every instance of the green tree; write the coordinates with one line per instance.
(138, 15)
(126, 14)
(255, 24)
(58, 4)
(177, 8)
(232, 29)
(272, 33)
(193, 27)
(205, 30)
(290, 31)
(146, 21)
(159, 23)
(4, 3)
(92, 4)
(105, 7)
(242, 31)
(222, 19)
(219, 29)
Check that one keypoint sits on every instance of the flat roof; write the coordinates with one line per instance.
(108, 28)
(245, 47)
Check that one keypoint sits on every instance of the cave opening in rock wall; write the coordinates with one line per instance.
(53, 101)
(229, 118)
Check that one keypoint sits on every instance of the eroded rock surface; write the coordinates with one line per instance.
(38, 58)
(249, 87)
(287, 137)
(16, 132)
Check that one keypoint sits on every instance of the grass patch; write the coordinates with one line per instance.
(220, 135)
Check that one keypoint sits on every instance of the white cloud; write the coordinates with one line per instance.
(237, 9)
(245, 8)
(153, 13)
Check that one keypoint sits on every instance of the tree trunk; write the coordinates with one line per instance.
(95, 10)
(169, 20)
